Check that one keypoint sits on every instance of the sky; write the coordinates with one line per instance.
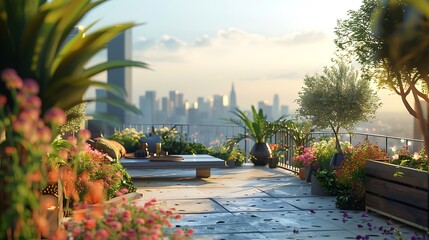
(202, 47)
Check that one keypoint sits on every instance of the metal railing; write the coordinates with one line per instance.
(215, 135)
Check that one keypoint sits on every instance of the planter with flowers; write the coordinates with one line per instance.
(278, 153)
(399, 188)
(304, 161)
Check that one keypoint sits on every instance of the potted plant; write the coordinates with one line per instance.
(303, 161)
(278, 152)
(259, 129)
(228, 151)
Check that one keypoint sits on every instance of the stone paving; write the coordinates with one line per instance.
(250, 202)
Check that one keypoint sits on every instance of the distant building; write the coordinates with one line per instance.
(119, 49)
(149, 108)
(232, 98)
(276, 108)
(284, 110)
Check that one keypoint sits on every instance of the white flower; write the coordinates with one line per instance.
(394, 148)
(416, 156)
(395, 157)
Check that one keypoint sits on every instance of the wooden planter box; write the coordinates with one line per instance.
(403, 198)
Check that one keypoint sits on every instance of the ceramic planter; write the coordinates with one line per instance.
(273, 162)
(317, 189)
(404, 198)
(260, 153)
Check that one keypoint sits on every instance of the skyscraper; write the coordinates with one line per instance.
(149, 107)
(276, 107)
(119, 49)
(232, 98)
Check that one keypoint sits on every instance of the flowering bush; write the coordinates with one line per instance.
(23, 157)
(325, 150)
(351, 175)
(89, 176)
(305, 159)
(403, 157)
(126, 221)
(129, 138)
(278, 150)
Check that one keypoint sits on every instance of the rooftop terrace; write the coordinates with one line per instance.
(250, 202)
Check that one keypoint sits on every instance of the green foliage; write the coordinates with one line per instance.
(327, 180)
(34, 41)
(390, 41)
(300, 132)
(403, 157)
(324, 150)
(175, 142)
(129, 138)
(337, 99)
(258, 127)
(228, 152)
(76, 118)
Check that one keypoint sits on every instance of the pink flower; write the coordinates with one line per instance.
(30, 87)
(126, 214)
(116, 226)
(3, 100)
(76, 231)
(11, 78)
(102, 234)
(84, 134)
(139, 221)
(34, 102)
(55, 116)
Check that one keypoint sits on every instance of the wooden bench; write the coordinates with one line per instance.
(202, 163)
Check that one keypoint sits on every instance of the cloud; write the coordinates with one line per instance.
(204, 41)
(258, 65)
(171, 43)
(143, 43)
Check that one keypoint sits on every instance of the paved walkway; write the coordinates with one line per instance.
(256, 203)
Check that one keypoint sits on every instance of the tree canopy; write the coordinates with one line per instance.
(390, 39)
(338, 98)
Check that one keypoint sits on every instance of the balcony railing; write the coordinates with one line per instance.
(215, 135)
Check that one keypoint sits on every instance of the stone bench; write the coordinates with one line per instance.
(201, 162)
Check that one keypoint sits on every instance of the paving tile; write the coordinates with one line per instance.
(304, 235)
(287, 221)
(191, 220)
(189, 205)
(253, 204)
(224, 228)
(311, 203)
(231, 236)
(280, 191)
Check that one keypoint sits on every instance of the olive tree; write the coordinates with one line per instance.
(390, 40)
(338, 98)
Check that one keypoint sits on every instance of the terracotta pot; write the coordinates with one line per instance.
(260, 153)
(302, 173)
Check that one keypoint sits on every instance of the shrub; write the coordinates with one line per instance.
(351, 175)
(129, 138)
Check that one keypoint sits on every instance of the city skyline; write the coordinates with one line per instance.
(264, 47)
